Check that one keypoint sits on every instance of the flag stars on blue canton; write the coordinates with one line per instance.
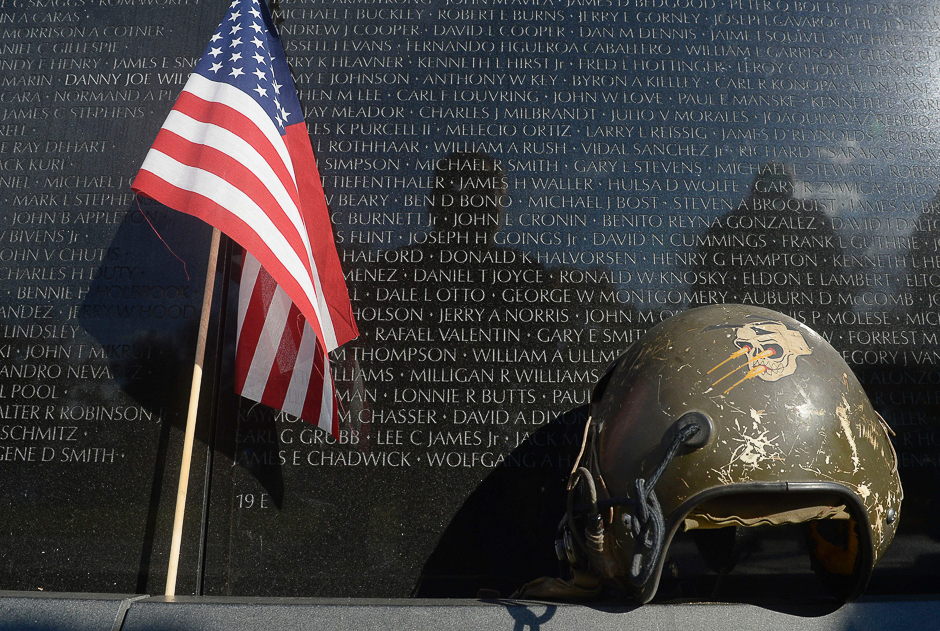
(250, 70)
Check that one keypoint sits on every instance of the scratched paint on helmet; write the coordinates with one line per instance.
(842, 412)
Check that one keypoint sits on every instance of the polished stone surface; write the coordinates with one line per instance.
(518, 192)
(63, 611)
(116, 612)
(509, 614)
(97, 317)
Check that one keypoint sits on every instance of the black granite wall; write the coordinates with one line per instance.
(519, 190)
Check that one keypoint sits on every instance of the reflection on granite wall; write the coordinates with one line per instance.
(519, 190)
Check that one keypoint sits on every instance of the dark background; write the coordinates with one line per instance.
(518, 192)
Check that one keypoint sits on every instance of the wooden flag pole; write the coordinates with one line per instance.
(183, 486)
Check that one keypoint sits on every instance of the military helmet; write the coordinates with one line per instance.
(731, 415)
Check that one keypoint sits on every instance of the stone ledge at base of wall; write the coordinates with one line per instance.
(117, 612)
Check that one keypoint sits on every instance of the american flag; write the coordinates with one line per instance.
(234, 151)
(279, 361)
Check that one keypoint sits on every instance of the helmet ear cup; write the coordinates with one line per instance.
(722, 548)
(701, 437)
(833, 550)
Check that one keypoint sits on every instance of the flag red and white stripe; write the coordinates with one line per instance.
(235, 152)
(279, 359)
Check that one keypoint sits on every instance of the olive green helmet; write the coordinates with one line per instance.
(731, 415)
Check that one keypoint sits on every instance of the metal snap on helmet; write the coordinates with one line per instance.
(731, 415)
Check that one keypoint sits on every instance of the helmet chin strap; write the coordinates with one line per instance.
(643, 515)
(578, 474)
(646, 521)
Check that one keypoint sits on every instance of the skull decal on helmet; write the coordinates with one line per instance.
(772, 348)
